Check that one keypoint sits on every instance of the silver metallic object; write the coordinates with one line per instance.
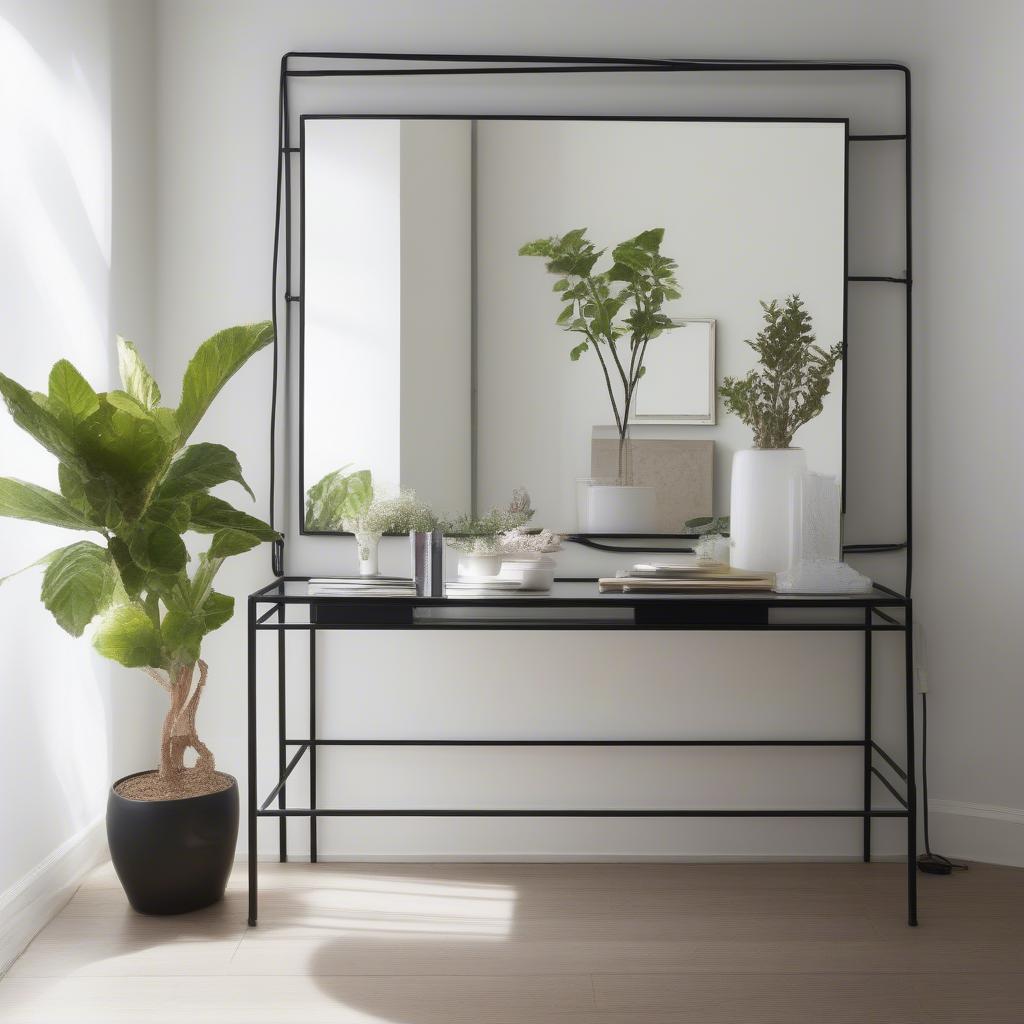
(427, 551)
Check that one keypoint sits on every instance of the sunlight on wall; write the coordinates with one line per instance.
(55, 244)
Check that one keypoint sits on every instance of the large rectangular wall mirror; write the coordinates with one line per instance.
(431, 354)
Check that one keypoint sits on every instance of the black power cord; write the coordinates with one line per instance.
(930, 863)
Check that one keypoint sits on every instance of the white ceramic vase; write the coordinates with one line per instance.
(759, 507)
(368, 545)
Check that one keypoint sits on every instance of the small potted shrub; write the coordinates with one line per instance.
(478, 539)
(775, 401)
(129, 478)
(615, 313)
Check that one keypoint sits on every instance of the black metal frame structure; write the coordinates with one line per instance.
(327, 64)
(884, 610)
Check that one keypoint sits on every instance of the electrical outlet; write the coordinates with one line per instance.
(922, 680)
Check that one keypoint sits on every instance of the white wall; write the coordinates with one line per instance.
(76, 267)
(217, 136)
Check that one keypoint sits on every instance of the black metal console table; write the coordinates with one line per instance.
(286, 605)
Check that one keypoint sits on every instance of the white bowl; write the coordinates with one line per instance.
(531, 573)
(472, 566)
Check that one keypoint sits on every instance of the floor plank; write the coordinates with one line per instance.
(539, 943)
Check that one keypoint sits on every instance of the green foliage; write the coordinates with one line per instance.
(615, 312)
(126, 475)
(480, 534)
(794, 379)
(708, 524)
(337, 497)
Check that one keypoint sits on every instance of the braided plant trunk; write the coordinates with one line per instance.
(179, 728)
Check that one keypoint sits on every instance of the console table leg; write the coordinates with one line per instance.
(867, 734)
(911, 776)
(251, 742)
(311, 753)
(282, 753)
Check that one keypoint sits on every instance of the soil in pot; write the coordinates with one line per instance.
(150, 786)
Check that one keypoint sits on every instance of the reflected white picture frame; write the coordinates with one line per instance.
(653, 405)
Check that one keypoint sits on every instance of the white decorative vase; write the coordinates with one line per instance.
(368, 545)
(611, 508)
(759, 507)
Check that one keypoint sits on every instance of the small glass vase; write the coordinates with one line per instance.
(368, 548)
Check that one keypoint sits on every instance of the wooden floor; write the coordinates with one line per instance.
(537, 944)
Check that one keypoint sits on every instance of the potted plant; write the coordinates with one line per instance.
(478, 539)
(128, 476)
(615, 313)
(402, 513)
(787, 392)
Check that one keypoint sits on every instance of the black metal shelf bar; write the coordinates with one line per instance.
(279, 788)
(885, 616)
(892, 764)
(572, 743)
(269, 612)
(572, 812)
(878, 277)
(584, 625)
(879, 137)
(889, 786)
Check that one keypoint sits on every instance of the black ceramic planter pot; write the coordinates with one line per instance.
(173, 856)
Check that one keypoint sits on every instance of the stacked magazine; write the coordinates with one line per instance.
(362, 586)
(677, 578)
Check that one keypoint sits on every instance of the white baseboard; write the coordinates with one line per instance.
(982, 832)
(32, 901)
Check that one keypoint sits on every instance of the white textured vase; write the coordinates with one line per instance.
(759, 507)
(368, 545)
(609, 508)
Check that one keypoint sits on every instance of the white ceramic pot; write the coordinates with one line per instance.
(610, 508)
(475, 566)
(530, 573)
(759, 507)
(368, 545)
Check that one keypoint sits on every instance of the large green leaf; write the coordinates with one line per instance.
(199, 467)
(210, 514)
(135, 378)
(133, 577)
(231, 542)
(78, 584)
(128, 447)
(126, 634)
(183, 630)
(22, 500)
(213, 365)
(337, 496)
(182, 634)
(30, 413)
(71, 398)
(157, 547)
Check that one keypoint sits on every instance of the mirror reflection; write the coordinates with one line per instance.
(569, 306)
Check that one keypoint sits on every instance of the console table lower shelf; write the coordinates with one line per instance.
(285, 605)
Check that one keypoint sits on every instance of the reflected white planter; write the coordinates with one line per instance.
(610, 508)
(759, 507)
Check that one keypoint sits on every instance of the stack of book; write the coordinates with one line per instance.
(362, 586)
(675, 578)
